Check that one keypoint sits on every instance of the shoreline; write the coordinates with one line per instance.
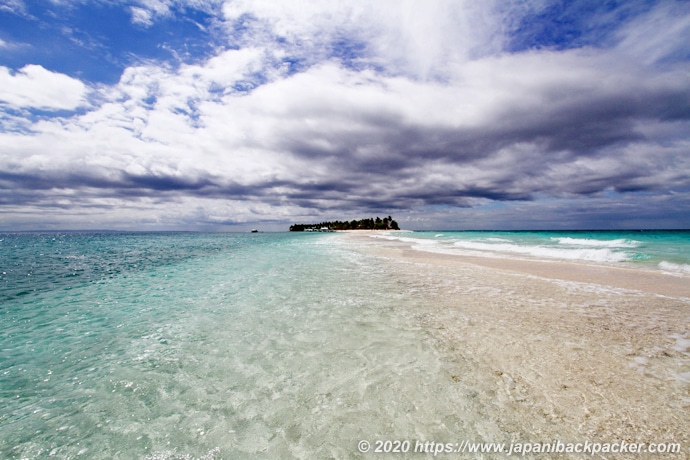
(556, 350)
(639, 279)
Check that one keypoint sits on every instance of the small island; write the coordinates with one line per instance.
(387, 223)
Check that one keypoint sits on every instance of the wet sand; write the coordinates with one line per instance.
(557, 350)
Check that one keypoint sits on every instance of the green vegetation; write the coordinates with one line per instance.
(387, 223)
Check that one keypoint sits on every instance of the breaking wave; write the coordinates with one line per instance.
(674, 268)
(589, 254)
(618, 243)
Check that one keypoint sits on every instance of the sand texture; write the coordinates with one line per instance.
(557, 351)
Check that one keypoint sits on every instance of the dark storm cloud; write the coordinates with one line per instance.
(600, 124)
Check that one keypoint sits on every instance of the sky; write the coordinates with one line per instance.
(225, 115)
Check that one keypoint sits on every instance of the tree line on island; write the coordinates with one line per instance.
(387, 223)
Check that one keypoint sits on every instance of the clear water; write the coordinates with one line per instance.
(213, 346)
(668, 251)
(243, 345)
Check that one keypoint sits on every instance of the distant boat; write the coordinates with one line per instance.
(255, 230)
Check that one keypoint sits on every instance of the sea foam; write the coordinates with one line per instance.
(589, 254)
(674, 268)
(667, 251)
(617, 243)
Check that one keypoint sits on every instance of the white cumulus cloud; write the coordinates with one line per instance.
(35, 87)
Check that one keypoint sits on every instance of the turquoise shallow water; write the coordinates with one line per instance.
(663, 250)
(187, 345)
(212, 346)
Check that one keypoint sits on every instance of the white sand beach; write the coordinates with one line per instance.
(555, 350)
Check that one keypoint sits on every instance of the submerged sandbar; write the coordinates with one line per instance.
(557, 350)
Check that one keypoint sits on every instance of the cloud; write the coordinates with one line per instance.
(13, 7)
(141, 16)
(35, 87)
(338, 109)
(146, 12)
(658, 36)
(407, 37)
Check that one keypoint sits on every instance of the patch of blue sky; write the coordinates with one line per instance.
(253, 81)
(24, 120)
(293, 65)
(13, 122)
(281, 53)
(150, 100)
(216, 89)
(568, 24)
(351, 53)
(242, 27)
(191, 113)
(96, 41)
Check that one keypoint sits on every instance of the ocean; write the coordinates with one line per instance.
(266, 345)
(664, 250)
